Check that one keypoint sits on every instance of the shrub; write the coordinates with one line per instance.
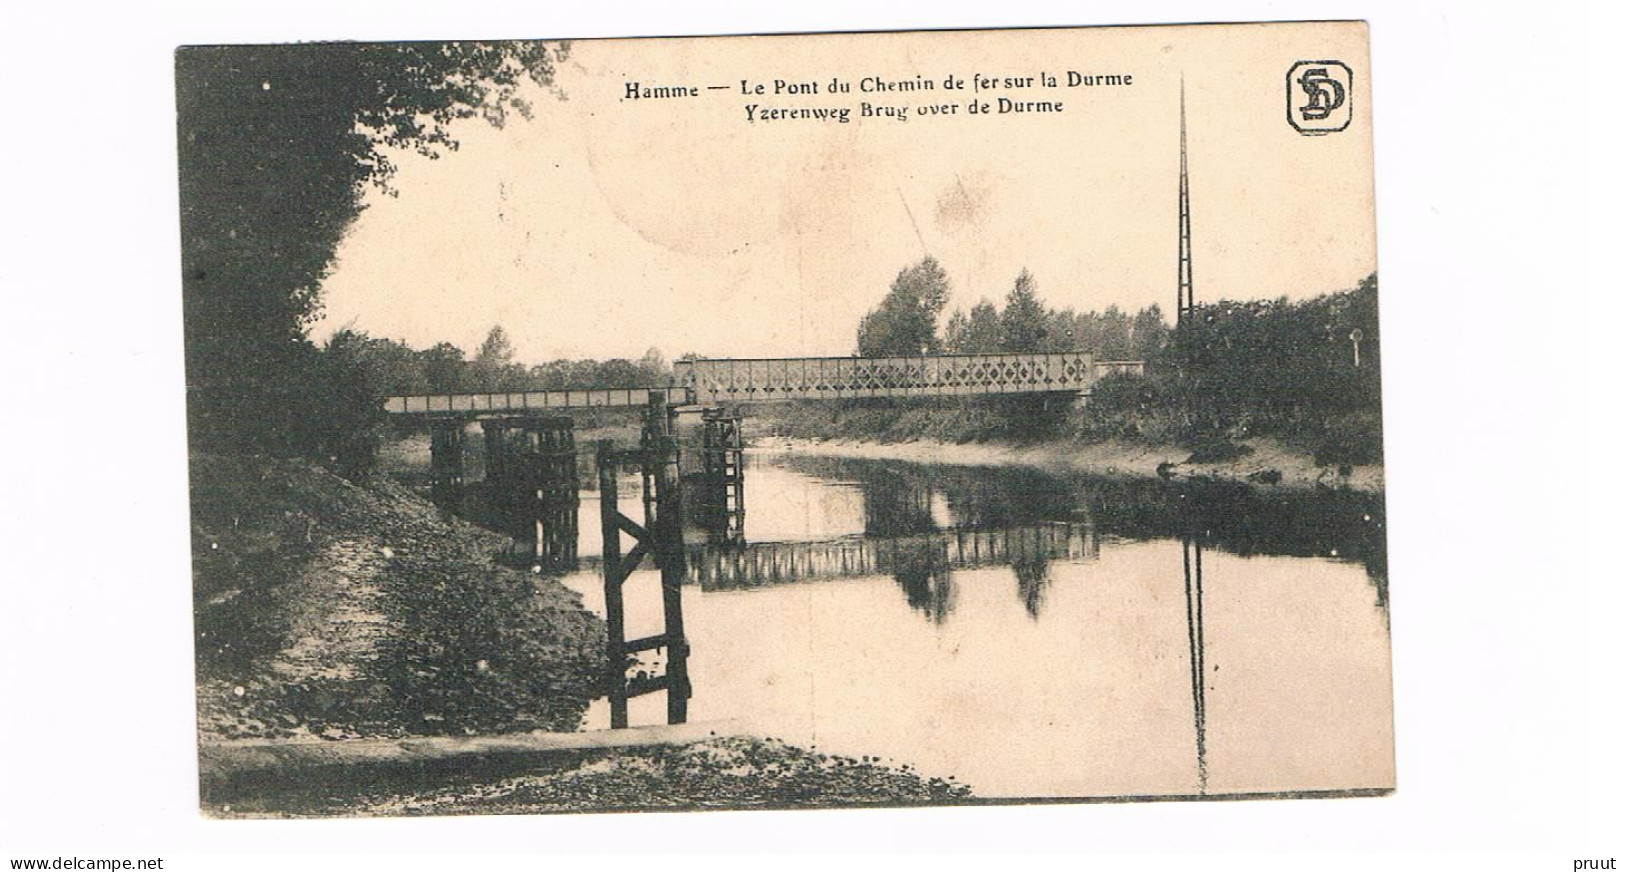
(1353, 438)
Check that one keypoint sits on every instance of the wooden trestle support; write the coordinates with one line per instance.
(446, 461)
(659, 537)
(720, 503)
(530, 470)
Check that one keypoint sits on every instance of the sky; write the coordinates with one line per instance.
(603, 226)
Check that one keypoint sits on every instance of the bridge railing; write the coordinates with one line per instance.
(519, 401)
(833, 378)
(1104, 368)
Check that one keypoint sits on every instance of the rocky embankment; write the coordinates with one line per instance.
(331, 609)
(328, 610)
(723, 773)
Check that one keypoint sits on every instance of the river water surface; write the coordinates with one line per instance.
(1037, 636)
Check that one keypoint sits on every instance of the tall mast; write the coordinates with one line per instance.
(1187, 300)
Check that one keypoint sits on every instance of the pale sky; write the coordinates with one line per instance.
(605, 226)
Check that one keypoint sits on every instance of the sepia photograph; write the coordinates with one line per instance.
(480, 435)
(784, 421)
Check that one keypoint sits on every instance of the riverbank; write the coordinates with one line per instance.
(1262, 463)
(341, 613)
(333, 609)
(735, 772)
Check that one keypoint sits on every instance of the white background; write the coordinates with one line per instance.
(1497, 163)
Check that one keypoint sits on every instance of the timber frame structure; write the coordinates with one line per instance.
(659, 537)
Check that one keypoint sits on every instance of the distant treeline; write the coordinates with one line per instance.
(1306, 372)
(389, 368)
(342, 415)
(905, 323)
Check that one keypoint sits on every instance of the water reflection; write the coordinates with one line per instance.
(1342, 525)
(1032, 580)
(896, 504)
(921, 569)
(1198, 645)
(766, 563)
(1046, 636)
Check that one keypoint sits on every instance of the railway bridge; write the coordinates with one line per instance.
(530, 446)
(739, 381)
(531, 474)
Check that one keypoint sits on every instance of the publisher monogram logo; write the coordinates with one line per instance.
(1319, 97)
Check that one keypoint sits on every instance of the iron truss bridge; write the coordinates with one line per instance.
(765, 380)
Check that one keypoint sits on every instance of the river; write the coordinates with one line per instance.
(1034, 635)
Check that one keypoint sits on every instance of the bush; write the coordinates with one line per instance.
(1122, 406)
(1354, 438)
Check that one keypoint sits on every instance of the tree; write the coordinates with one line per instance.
(655, 370)
(493, 368)
(277, 145)
(978, 333)
(1149, 333)
(497, 350)
(551, 376)
(1114, 334)
(1025, 320)
(444, 368)
(905, 322)
(619, 373)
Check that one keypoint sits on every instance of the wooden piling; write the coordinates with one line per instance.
(666, 526)
(722, 478)
(659, 537)
(446, 460)
(614, 605)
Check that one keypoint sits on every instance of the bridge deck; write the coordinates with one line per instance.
(522, 401)
(741, 381)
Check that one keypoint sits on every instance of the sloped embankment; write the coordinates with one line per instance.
(326, 609)
(332, 609)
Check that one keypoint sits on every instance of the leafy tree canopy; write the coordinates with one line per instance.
(980, 332)
(277, 145)
(905, 322)
(1025, 320)
(497, 349)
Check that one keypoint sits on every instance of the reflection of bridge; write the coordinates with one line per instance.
(735, 382)
(771, 563)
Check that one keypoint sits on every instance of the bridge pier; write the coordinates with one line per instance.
(659, 435)
(530, 473)
(446, 460)
(720, 506)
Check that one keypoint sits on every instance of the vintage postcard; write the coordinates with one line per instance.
(785, 421)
